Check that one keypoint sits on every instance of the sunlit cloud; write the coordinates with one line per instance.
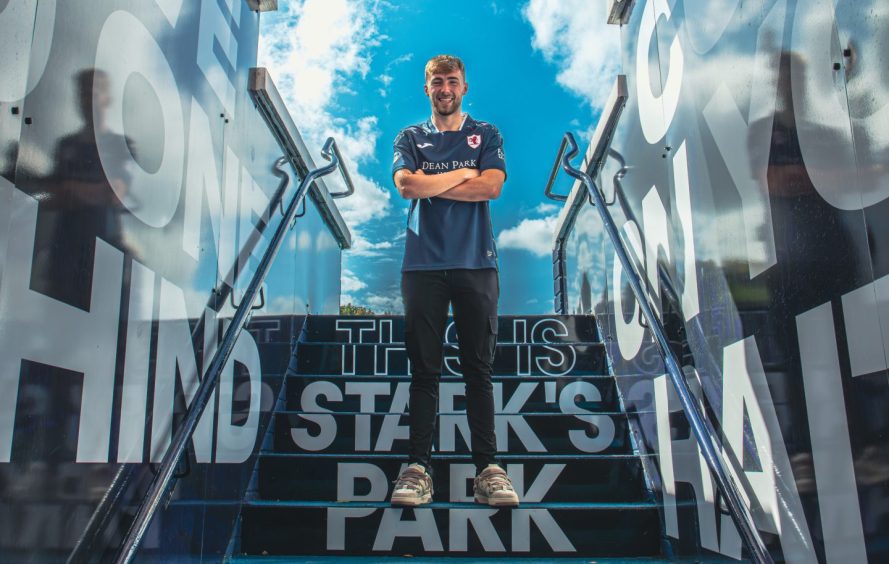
(363, 247)
(351, 283)
(546, 209)
(532, 235)
(384, 303)
(315, 49)
(574, 35)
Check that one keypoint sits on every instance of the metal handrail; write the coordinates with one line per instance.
(123, 477)
(593, 161)
(548, 191)
(701, 427)
(270, 105)
(159, 485)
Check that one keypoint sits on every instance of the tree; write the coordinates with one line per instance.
(350, 309)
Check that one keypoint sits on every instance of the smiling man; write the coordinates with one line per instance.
(450, 167)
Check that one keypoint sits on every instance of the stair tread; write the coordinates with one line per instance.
(463, 559)
(454, 505)
(499, 344)
(455, 413)
(578, 375)
(459, 456)
(599, 505)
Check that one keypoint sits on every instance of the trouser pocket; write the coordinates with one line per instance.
(492, 338)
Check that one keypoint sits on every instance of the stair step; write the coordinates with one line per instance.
(364, 528)
(275, 328)
(389, 394)
(516, 433)
(275, 358)
(446, 376)
(247, 559)
(391, 360)
(262, 503)
(511, 328)
(341, 478)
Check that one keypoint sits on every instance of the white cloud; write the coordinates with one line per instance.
(386, 78)
(314, 49)
(362, 247)
(351, 283)
(574, 35)
(547, 209)
(532, 235)
(384, 303)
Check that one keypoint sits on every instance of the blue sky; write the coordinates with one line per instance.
(354, 69)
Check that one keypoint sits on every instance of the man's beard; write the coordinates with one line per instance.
(446, 109)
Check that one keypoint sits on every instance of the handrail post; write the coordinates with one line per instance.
(160, 484)
(701, 426)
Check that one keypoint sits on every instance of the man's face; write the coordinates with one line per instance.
(446, 92)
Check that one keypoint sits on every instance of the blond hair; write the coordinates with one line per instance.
(444, 64)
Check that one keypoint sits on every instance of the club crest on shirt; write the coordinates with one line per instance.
(474, 140)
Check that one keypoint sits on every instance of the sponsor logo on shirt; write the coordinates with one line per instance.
(396, 157)
(445, 166)
(474, 140)
(500, 154)
(424, 145)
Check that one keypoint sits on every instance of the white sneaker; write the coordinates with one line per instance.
(493, 487)
(413, 487)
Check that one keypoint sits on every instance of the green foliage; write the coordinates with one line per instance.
(350, 309)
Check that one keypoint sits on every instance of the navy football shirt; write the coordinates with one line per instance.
(442, 233)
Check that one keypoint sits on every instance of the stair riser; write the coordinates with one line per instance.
(511, 329)
(448, 531)
(275, 328)
(391, 360)
(325, 479)
(387, 395)
(351, 433)
(275, 358)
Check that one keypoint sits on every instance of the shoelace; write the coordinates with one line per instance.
(410, 478)
(498, 481)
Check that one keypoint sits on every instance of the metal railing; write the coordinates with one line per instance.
(593, 161)
(700, 425)
(270, 105)
(123, 478)
(161, 482)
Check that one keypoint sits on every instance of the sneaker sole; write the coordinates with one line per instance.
(493, 502)
(411, 501)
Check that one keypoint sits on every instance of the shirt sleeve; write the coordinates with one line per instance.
(403, 155)
(492, 155)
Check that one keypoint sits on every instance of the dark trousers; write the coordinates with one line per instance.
(473, 295)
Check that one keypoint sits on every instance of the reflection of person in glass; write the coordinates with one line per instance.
(84, 189)
(815, 249)
(822, 254)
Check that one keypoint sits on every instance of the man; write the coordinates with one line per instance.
(450, 167)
